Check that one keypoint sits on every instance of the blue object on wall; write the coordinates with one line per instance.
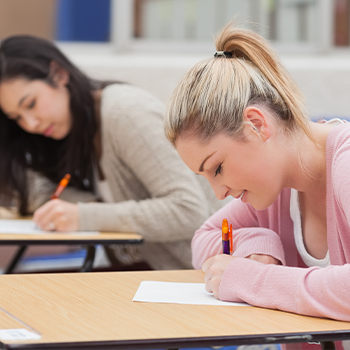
(83, 20)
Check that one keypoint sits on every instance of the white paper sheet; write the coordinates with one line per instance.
(17, 334)
(28, 227)
(178, 293)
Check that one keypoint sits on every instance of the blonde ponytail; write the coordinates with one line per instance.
(213, 95)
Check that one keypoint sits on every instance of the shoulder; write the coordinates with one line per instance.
(338, 141)
(126, 108)
(131, 118)
(338, 150)
(338, 160)
(125, 99)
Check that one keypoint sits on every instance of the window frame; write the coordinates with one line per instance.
(122, 40)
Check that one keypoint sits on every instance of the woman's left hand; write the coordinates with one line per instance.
(214, 269)
(57, 215)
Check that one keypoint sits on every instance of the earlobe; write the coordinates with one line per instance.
(256, 119)
(58, 75)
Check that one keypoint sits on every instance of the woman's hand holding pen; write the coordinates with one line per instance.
(57, 215)
(215, 266)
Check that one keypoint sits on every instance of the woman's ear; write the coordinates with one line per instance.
(58, 75)
(256, 119)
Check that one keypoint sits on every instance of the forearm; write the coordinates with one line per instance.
(157, 219)
(246, 241)
(308, 291)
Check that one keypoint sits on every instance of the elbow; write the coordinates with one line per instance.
(197, 254)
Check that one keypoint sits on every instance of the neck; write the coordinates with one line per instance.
(308, 173)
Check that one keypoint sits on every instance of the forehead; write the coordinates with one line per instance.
(14, 85)
(193, 151)
(11, 86)
(11, 91)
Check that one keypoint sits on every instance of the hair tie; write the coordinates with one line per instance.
(226, 54)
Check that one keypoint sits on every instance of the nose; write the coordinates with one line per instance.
(30, 123)
(220, 190)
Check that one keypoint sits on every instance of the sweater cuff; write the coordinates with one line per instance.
(266, 245)
(88, 217)
(258, 284)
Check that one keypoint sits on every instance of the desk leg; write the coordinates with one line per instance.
(15, 259)
(111, 257)
(328, 345)
(89, 259)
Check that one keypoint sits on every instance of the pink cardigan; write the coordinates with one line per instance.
(322, 292)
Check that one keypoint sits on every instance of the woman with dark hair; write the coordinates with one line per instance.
(109, 136)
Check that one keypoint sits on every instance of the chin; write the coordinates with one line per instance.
(262, 205)
(60, 136)
(57, 138)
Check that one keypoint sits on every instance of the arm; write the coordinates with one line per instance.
(41, 189)
(173, 203)
(62, 213)
(312, 291)
(248, 237)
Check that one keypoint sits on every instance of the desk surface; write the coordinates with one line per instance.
(96, 311)
(62, 238)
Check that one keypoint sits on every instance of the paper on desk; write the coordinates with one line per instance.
(178, 293)
(28, 227)
(17, 334)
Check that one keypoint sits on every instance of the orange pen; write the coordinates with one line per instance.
(61, 186)
(225, 237)
(230, 238)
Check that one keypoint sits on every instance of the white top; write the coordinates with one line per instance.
(298, 234)
(296, 218)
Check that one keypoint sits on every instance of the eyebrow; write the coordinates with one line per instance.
(202, 165)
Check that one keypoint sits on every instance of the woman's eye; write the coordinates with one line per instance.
(32, 104)
(218, 170)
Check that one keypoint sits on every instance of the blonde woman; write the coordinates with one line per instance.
(238, 120)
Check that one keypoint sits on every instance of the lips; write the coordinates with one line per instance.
(241, 196)
(48, 131)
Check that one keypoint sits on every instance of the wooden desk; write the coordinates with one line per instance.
(96, 311)
(105, 238)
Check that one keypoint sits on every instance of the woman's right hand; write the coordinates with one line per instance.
(214, 269)
(57, 215)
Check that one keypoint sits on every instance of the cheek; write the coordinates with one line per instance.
(56, 102)
(63, 105)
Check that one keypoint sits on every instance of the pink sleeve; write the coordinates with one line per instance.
(248, 237)
(313, 291)
(341, 180)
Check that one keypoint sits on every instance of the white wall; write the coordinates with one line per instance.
(324, 80)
